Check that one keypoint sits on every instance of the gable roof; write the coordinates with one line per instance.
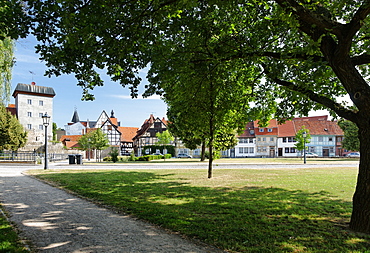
(319, 127)
(127, 133)
(287, 129)
(147, 124)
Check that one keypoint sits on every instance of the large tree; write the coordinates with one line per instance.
(6, 65)
(12, 134)
(13, 25)
(308, 52)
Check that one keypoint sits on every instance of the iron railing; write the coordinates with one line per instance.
(30, 156)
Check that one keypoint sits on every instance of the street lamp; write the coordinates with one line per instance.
(304, 135)
(45, 122)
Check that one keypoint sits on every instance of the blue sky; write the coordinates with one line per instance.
(130, 112)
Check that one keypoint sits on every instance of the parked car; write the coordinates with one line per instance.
(184, 156)
(310, 154)
(353, 154)
(156, 154)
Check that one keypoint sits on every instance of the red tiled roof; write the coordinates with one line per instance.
(67, 138)
(127, 133)
(71, 144)
(319, 127)
(286, 129)
(323, 117)
(272, 125)
(114, 121)
(247, 130)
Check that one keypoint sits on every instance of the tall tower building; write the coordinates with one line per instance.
(32, 102)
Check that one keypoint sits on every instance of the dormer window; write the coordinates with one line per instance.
(262, 130)
(269, 130)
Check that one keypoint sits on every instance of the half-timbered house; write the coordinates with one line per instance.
(146, 135)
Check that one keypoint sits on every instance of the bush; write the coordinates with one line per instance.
(107, 159)
(114, 154)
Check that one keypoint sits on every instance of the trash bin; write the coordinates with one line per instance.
(72, 159)
(79, 159)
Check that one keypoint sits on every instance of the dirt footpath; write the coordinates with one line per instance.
(56, 221)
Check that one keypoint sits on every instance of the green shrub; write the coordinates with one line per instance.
(107, 159)
(114, 154)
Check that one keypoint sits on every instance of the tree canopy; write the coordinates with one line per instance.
(12, 134)
(305, 54)
(301, 140)
(350, 140)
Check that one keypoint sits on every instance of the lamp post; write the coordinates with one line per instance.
(304, 135)
(45, 122)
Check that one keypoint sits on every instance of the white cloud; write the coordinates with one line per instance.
(27, 58)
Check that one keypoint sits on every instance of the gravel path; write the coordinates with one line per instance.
(55, 221)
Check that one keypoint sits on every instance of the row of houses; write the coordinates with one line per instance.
(274, 140)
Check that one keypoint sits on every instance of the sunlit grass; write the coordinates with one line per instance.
(267, 210)
(9, 241)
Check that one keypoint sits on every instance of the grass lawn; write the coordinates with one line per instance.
(9, 241)
(267, 210)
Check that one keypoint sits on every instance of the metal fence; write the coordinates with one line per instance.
(30, 156)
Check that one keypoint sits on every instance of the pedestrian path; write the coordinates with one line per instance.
(56, 221)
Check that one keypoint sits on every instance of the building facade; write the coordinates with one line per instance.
(31, 103)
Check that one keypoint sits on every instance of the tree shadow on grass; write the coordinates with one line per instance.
(250, 219)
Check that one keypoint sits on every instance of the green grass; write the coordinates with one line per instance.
(276, 210)
(9, 241)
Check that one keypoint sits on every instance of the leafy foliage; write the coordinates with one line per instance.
(351, 140)
(12, 134)
(114, 154)
(300, 139)
(6, 64)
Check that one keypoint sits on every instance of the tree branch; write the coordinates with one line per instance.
(329, 103)
(361, 59)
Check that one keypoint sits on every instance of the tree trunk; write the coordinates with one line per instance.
(360, 219)
(203, 155)
(210, 161)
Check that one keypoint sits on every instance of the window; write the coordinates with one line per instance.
(311, 149)
(269, 130)
(330, 138)
(331, 149)
(251, 150)
(287, 150)
(241, 150)
(259, 139)
(40, 114)
(264, 149)
(29, 114)
(272, 138)
(284, 139)
(251, 132)
(29, 126)
(29, 101)
(264, 139)
(292, 150)
(321, 139)
(250, 140)
(41, 103)
(41, 127)
(262, 130)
